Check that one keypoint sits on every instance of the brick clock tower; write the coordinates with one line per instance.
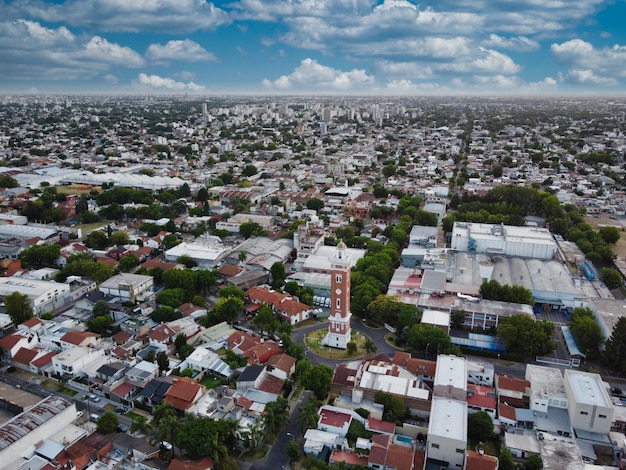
(339, 329)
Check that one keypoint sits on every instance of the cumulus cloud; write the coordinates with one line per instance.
(590, 65)
(175, 16)
(166, 84)
(183, 51)
(513, 43)
(29, 50)
(310, 75)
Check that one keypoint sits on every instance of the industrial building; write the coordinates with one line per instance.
(507, 240)
(20, 435)
(206, 252)
(44, 296)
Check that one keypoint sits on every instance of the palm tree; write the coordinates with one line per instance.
(140, 425)
(308, 414)
(276, 416)
(255, 435)
(168, 428)
(370, 346)
(161, 411)
(242, 256)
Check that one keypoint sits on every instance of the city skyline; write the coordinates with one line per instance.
(326, 47)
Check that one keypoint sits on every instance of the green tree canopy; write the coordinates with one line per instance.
(614, 353)
(107, 423)
(479, 426)
(18, 307)
(611, 277)
(232, 291)
(609, 234)
(315, 204)
(428, 339)
(318, 379)
(40, 255)
(278, 273)
(586, 332)
(524, 336)
(395, 408)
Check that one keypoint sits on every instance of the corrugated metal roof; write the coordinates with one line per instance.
(25, 422)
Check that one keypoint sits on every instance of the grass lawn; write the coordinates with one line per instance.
(133, 415)
(66, 391)
(257, 454)
(77, 189)
(491, 447)
(314, 341)
(86, 228)
(211, 382)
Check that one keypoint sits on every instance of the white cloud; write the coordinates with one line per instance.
(185, 75)
(408, 70)
(110, 79)
(586, 77)
(165, 84)
(183, 51)
(311, 76)
(513, 43)
(589, 65)
(175, 16)
(29, 50)
(484, 61)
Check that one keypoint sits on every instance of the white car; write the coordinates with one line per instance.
(79, 414)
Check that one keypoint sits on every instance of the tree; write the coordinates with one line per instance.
(318, 379)
(308, 414)
(162, 361)
(140, 425)
(370, 346)
(524, 336)
(534, 462)
(586, 332)
(457, 319)
(100, 324)
(615, 348)
(128, 262)
(277, 271)
(227, 309)
(187, 261)
(107, 423)
(315, 204)
(40, 255)
(119, 238)
(232, 291)
(479, 426)
(506, 461)
(351, 347)
(294, 452)
(200, 437)
(423, 337)
(611, 277)
(97, 240)
(265, 320)
(609, 234)
(101, 308)
(247, 229)
(18, 308)
(395, 409)
(276, 416)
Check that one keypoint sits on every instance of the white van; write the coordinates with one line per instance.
(94, 417)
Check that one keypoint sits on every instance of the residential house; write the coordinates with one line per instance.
(447, 433)
(183, 393)
(142, 373)
(72, 361)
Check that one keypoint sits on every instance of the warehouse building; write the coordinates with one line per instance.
(44, 296)
(507, 240)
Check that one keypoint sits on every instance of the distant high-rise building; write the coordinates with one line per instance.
(339, 330)
(205, 109)
(323, 128)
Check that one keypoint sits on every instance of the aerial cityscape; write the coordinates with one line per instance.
(295, 234)
(305, 282)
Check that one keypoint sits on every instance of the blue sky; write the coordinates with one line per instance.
(390, 47)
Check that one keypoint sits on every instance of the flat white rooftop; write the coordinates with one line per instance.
(448, 418)
(588, 388)
(451, 370)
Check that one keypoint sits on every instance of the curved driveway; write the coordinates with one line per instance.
(376, 334)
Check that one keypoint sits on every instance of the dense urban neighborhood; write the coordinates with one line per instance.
(193, 283)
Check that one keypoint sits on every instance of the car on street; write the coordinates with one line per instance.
(121, 409)
(122, 427)
(93, 398)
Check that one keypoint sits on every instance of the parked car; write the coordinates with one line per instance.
(93, 398)
(122, 427)
(121, 409)
(94, 417)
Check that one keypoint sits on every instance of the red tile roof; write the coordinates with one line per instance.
(181, 463)
(229, 270)
(43, 360)
(9, 341)
(505, 382)
(32, 322)
(183, 392)
(400, 457)
(476, 461)
(123, 389)
(333, 418)
(262, 352)
(271, 384)
(284, 362)
(506, 411)
(377, 425)
(25, 355)
(77, 337)
(348, 457)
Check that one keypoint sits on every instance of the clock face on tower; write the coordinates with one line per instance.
(338, 291)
